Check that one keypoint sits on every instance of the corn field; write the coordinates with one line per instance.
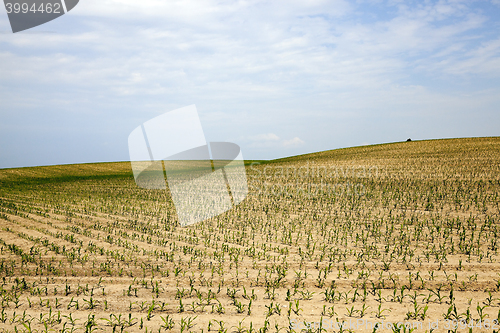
(397, 237)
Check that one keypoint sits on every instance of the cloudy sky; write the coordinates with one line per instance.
(279, 78)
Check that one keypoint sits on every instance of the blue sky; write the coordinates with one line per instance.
(279, 78)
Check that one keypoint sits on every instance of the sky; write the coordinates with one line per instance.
(278, 78)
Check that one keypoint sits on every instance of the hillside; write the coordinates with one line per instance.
(401, 232)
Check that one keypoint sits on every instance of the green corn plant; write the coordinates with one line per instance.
(168, 322)
(3, 316)
(219, 308)
(90, 324)
(306, 294)
(71, 319)
(489, 300)
(240, 308)
(480, 311)
(240, 328)
(181, 306)
(438, 295)
(380, 312)
(296, 309)
(91, 303)
(222, 328)
(351, 312)
(150, 310)
(187, 323)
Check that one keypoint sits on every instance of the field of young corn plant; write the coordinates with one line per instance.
(405, 235)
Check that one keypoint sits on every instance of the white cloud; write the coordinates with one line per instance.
(271, 140)
(254, 48)
(295, 142)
